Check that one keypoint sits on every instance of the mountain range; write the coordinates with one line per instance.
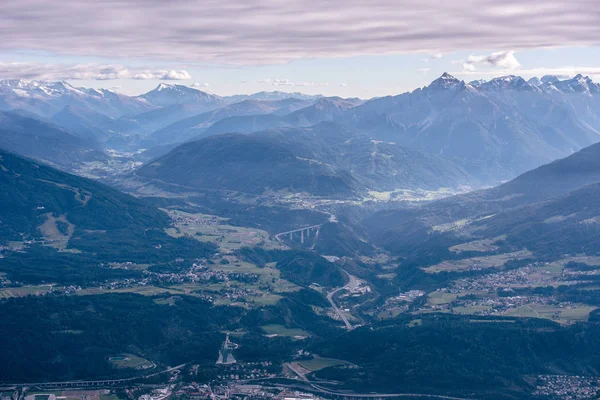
(282, 219)
(491, 130)
(326, 160)
(47, 142)
(496, 129)
(548, 208)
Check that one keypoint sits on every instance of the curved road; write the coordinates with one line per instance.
(93, 383)
(353, 282)
(321, 390)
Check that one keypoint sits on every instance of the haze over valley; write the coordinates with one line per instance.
(299, 201)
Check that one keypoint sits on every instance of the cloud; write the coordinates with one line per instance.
(561, 72)
(433, 57)
(198, 85)
(423, 70)
(287, 82)
(274, 31)
(53, 72)
(282, 82)
(343, 84)
(501, 59)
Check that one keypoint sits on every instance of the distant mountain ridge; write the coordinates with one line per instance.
(561, 189)
(495, 129)
(47, 98)
(168, 95)
(327, 160)
(46, 142)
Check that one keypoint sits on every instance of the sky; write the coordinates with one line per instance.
(349, 48)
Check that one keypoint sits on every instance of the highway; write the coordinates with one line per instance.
(347, 395)
(105, 382)
(353, 282)
(297, 372)
(382, 395)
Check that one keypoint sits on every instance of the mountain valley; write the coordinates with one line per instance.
(401, 245)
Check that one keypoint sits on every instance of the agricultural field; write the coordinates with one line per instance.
(213, 229)
(7, 293)
(280, 330)
(170, 301)
(266, 290)
(439, 297)
(415, 322)
(483, 245)
(390, 313)
(73, 394)
(130, 361)
(575, 312)
(147, 290)
(268, 275)
(319, 363)
(473, 263)
(57, 231)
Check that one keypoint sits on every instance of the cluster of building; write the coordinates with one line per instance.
(566, 387)
(406, 297)
(499, 305)
(183, 219)
(158, 394)
(241, 391)
(199, 272)
(529, 275)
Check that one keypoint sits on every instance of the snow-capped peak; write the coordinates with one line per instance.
(551, 79)
(477, 83)
(169, 94)
(31, 88)
(446, 81)
(509, 82)
(163, 86)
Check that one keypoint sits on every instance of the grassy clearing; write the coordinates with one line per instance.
(268, 275)
(451, 226)
(491, 321)
(266, 299)
(415, 322)
(167, 301)
(109, 397)
(438, 298)
(319, 363)
(483, 245)
(130, 361)
(70, 332)
(57, 231)
(470, 309)
(494, 261)
(143, 290)
(214, 229)
(390, 313)
(576, 312)
(7, 293)
(280, 330)
(57, 393)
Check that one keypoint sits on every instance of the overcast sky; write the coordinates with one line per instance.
(340, 47)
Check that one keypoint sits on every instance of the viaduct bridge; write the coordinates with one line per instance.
(300, 233)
